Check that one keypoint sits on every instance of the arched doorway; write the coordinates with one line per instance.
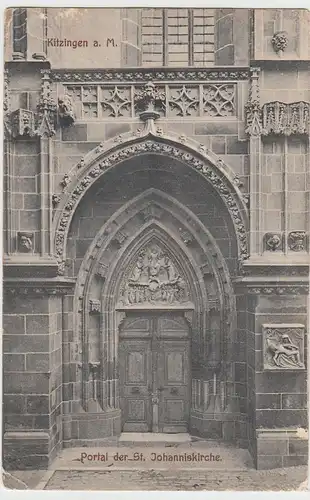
(155, 310)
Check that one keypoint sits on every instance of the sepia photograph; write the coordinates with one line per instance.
(156, 240)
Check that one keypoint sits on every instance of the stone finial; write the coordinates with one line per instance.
(147, 100)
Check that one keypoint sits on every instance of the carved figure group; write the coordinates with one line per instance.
(285, 353)
(154, 278)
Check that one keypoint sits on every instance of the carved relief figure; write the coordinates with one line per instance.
(65, 110)
(273, 241)
(153, 278)
(297, 241)
(281, 350)
(25, 242)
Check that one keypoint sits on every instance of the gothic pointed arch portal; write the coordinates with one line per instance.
(154, 275)
(149, 141)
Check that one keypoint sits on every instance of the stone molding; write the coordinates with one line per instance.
(37, 287)
(273, 285)
(147, 74)
(283, 346)
(196, 156)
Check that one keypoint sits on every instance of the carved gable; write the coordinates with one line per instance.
(153, 278)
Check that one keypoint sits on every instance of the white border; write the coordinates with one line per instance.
(136, 495)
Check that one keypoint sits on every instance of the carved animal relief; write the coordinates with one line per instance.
(283, 346)
(154, 278)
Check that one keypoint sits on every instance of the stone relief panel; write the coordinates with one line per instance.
(25, 242)
(297, 241)
(273, 241)
(154, 278)
(283, 346)
(125, 101)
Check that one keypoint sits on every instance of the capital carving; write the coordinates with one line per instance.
(283, 346)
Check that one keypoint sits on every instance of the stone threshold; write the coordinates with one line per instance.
(154, 437)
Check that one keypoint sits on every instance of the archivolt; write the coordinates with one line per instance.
(102, 270)
(106, 156)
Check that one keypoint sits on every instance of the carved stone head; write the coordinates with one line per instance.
(25, 242)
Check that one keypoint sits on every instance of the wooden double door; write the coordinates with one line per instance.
(154, 357)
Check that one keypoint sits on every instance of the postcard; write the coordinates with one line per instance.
(156, 248)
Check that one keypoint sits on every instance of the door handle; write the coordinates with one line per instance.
(135, 390)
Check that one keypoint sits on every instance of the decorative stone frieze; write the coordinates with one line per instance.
(37, 287)
(287, 119)
(274, 289)
(65, 111)
(283, 346)
(273, 241)
(112, 101)
(25, 242)
(297, 241)
(279, 41)
(276, 270)
(94, 306)
(146, 74)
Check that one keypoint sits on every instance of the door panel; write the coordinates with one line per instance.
(136, 378)
(173, 357)
(154, 373)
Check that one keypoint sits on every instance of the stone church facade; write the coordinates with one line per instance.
(156, 230)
